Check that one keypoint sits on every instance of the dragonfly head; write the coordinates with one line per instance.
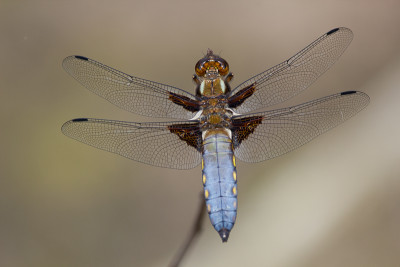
(212, 75)
(211, 65)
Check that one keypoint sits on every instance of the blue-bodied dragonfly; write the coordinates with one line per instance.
(214, 126)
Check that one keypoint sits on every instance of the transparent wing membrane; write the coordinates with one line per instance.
(256, 137)
(134, 94)
(292, 76)
(150, 143)
(277, 132)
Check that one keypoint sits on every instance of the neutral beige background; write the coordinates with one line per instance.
(333, 202)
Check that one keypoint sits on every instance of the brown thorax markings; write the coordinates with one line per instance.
(215, 113)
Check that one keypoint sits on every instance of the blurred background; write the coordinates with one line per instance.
(332, 202)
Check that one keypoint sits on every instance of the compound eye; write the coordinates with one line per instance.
(222, 66)
(200, 67)
(207, 63)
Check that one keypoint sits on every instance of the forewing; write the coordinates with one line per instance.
(265, 135)
(134, 94)
(292, 76)
(170, 145)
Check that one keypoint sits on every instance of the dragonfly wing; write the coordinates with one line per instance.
(265, 135)
(171, 145)
(292, 76)
(134, 94)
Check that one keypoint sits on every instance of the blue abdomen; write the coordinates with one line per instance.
(219, 180)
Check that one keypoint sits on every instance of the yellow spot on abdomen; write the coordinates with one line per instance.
(234, 161)
(204, 179)
(202, 164)
(206, 193)
(209, 208)
(234, 175)
(234, 190)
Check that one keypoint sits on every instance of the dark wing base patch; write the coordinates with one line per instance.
(189, 133)
(238, 98)
(242, 128)
(184, 102)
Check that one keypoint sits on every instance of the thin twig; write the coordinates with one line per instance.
(197, 227)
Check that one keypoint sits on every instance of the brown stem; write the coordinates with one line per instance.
(196, 229)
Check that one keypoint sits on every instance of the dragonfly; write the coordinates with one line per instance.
(216, 125)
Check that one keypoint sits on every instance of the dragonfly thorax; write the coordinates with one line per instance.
(215, 115)
(212, 87)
